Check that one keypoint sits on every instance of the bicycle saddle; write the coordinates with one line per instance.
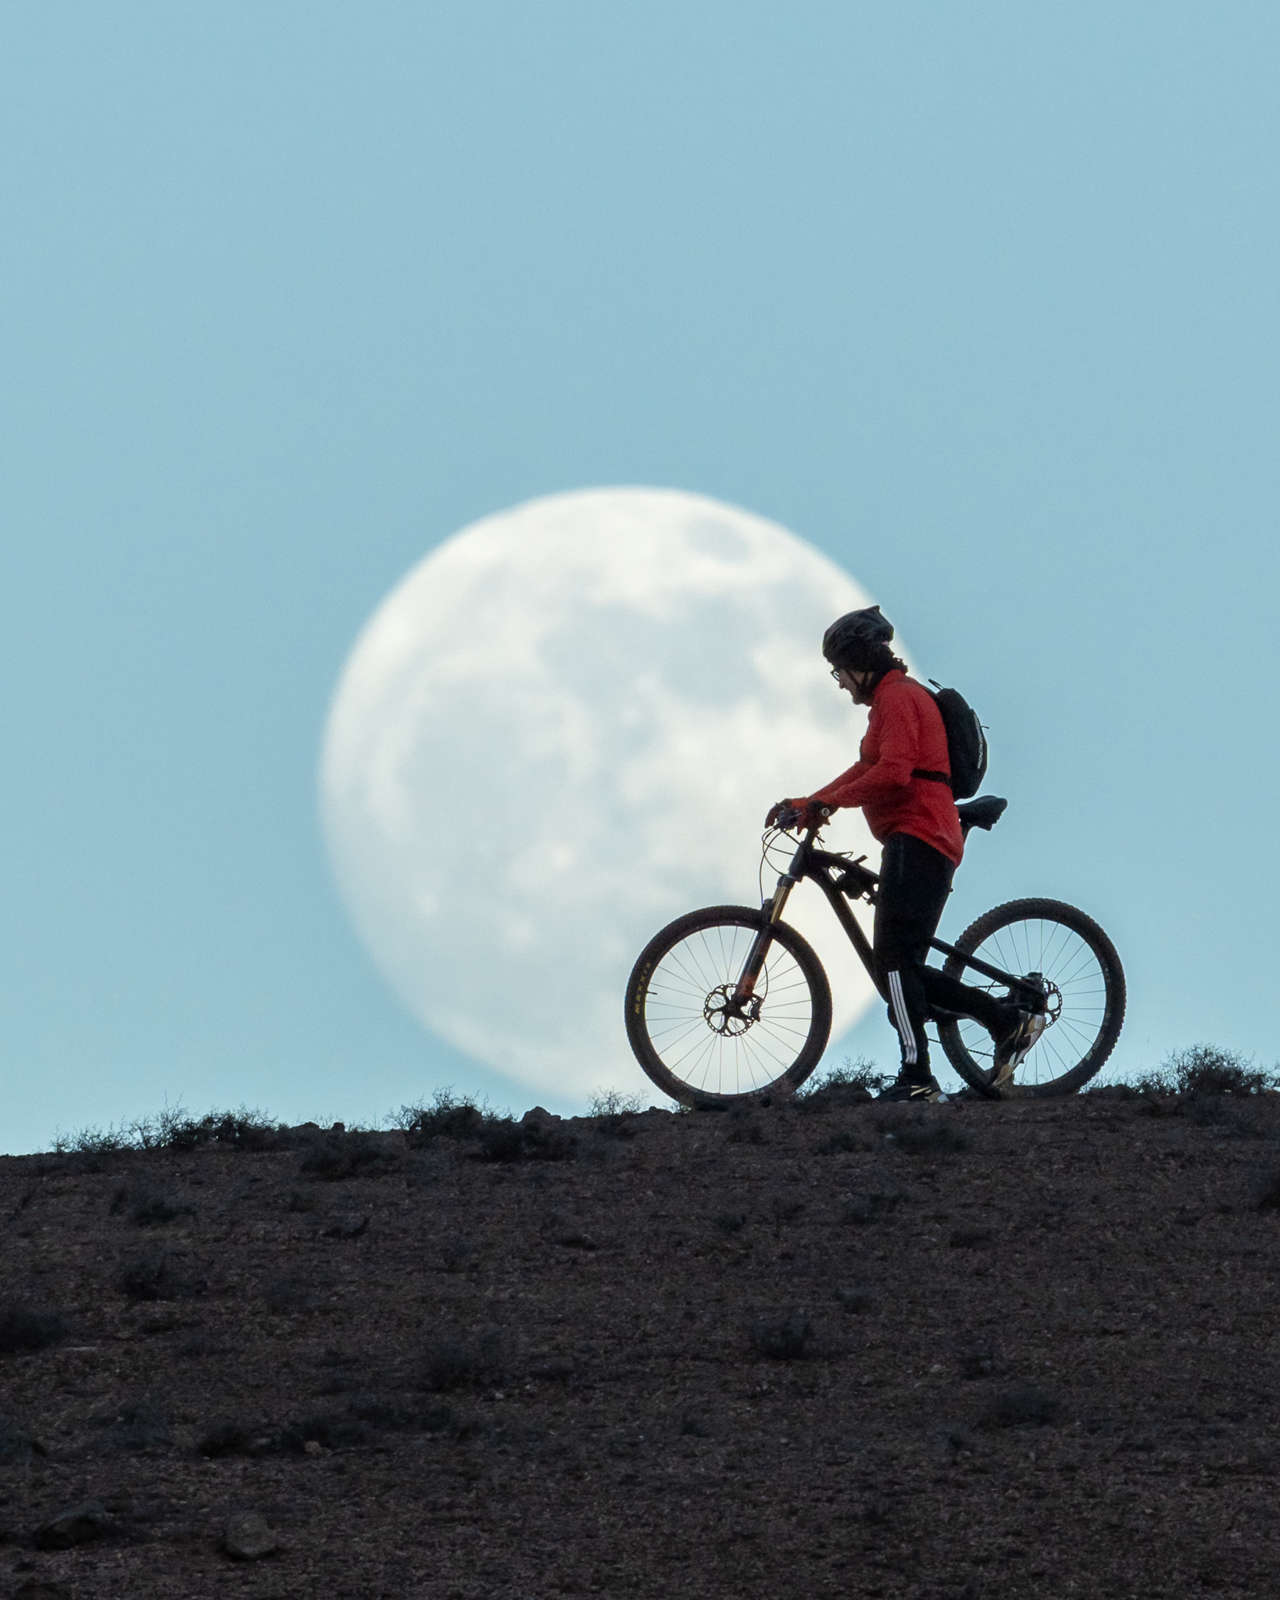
(984, 812)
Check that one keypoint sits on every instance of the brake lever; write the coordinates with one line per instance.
(795, 816)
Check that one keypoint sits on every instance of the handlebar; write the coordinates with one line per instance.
(984, 813)
(788, 819)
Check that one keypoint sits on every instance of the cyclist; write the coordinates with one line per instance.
(901, 781)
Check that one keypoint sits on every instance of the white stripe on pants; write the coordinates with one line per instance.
(902, 1021)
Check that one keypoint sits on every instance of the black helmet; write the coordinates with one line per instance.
(850, 640)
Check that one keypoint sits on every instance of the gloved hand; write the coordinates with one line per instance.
(796, 815)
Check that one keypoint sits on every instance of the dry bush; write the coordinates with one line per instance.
(462, 1361)
(1022, 1406)
(444, 1118)
(507, 1141)
(1200, 1070)
(151, 1275)
(785, 1336)
(333, 1157)
(924, 1135)
(854, 1082)
(25, 1329)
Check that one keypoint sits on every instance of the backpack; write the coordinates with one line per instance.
(966, 743)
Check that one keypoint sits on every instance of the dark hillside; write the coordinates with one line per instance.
(823, 1349)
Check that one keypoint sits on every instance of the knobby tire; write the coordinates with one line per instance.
(676, 977)
(1091, 983)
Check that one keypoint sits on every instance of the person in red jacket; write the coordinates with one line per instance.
(901, 780)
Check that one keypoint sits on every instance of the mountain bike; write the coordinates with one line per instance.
(730, 1004)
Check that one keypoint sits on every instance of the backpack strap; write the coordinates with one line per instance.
(933, 777)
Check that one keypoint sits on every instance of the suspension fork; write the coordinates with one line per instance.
(745, 988)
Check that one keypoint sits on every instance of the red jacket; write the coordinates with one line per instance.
(905, 731)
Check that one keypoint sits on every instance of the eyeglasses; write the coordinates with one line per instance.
(835, 673)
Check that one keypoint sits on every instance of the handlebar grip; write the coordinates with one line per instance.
(791, 816)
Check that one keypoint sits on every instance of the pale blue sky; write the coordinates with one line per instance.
(981, 299)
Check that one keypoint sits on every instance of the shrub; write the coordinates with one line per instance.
(173, 1129)
(444, 1118)
(136, 1426)
(785, 1337)
(348, 1227)
(969, 1238)
(854, 1082)
(149, 1275)
(1199, 1070)
(501, 1141)
(1269, 1192)
(378, 1413)
(456, 1254)
(335, 1156)
(392, 1415)
(1206, 1069)
(1020, 1407)
(461, 1362)
(23, 1329)
(925, 1136)
(17, 1446)
(844, 1141)
(616, 1115)
(1107, 1090)
(613, 1103)
(287, 1295)
(199, 1347)
(507, 1141)
(331, 1429)
(784, 1208)
(853, 1298)
(974, 1361)
(860, 1209)
(150, 1208)
(236, 1130)
(227, 1439)
(91, 1142)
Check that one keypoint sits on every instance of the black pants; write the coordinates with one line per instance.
(915, 880)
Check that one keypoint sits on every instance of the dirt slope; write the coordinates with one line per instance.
(964, 1351)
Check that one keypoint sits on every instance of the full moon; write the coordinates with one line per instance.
(561, 730)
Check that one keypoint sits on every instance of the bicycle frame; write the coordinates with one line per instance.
(841, 880)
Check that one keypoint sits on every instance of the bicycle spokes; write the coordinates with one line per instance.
(694, 1027)
(1066, 969)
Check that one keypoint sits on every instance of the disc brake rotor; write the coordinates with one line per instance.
(1052, 1002)
(727, 1016)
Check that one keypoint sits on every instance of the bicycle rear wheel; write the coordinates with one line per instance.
(686, 1034)
(1084, 997)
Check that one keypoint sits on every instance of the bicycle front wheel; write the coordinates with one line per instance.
(1083, 984)
(690, 1038)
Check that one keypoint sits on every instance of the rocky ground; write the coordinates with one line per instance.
(824, 1348)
